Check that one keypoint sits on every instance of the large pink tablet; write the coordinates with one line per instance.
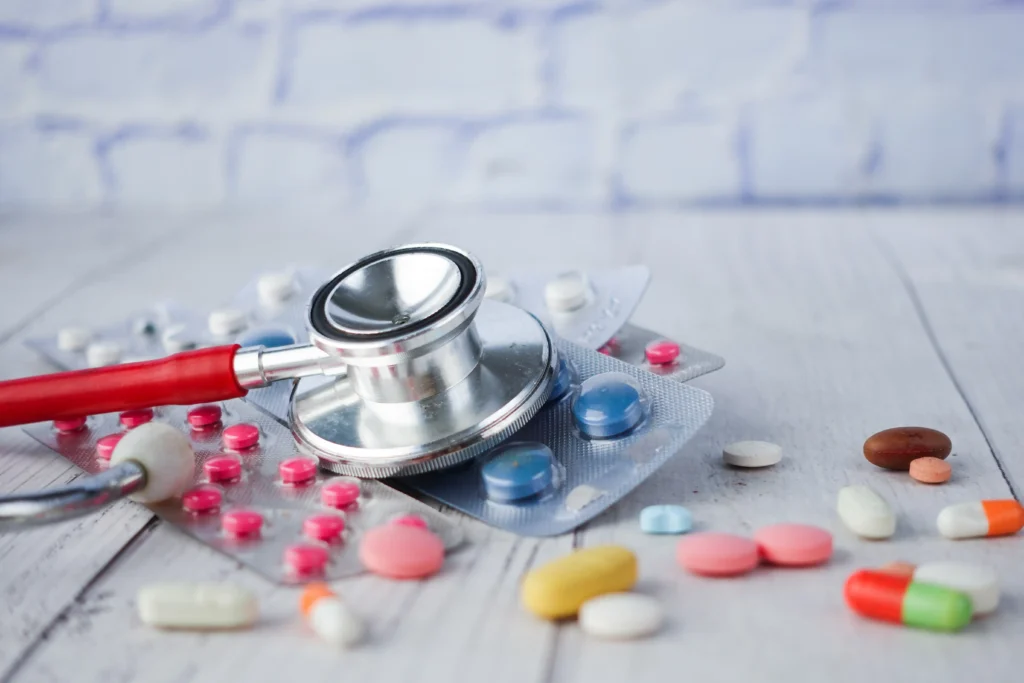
(398, 551)
(714, 554)
(794, 545)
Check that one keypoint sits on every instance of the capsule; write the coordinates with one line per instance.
(901, 600)
(329, 617)
(984, 518)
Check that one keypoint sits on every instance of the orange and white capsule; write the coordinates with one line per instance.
(329, 617)
(984, 518)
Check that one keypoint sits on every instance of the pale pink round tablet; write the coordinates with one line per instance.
(241, 523)
(306, 559)
(326, 528)
(222, 468)
(339, 494)
(106, 444)
(661, 352)
(401, 552)
(204, 416)
(241, 436)
(716, 554)
(297, 470)
(794, 545)
(71, 424)
(131, 419)
(201, 499)
(411, 520)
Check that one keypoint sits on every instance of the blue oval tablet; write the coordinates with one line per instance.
(665, 519)
(608, 405)
(563, 380)
(518, 470)
(269, 338)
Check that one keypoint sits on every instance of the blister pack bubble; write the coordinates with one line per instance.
(289, 511)
(639, 346)
(614, 426)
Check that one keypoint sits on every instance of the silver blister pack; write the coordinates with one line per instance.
(512, 486)
(285, 508)
(633, 344)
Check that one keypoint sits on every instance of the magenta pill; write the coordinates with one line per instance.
(306, 559)
(222, 468)
(339, 494)
(204, 416)
(240, 523)
(661, 352)
(106, 444)
(131, 419)
(201, 499)
(297, 470)
(71, 424)
(325, 528)
(410, 520)
(241, 436)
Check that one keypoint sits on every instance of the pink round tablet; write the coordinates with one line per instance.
(401, 552)
(241, 436)
(131, 419)
(411, 520)
(204, 416)
(714, 554)
(306, 559)
(297, 470)
(661, 352)
(222, 468)
(794, 545)
(201, 499)
(339, 494)
(241, 523)
(71, 424)
(106, 444)
(326, 528)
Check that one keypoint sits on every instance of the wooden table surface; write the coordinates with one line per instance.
(834, 324)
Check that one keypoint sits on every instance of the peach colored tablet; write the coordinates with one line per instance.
(716, 554)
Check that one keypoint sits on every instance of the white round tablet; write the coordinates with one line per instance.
(568, 291)
(621, 616)
(980, 583)
(752, 454)
(103, 353)
(225, 322)
(73, 338)
(500, 289)
(275, 288)
(177, 338)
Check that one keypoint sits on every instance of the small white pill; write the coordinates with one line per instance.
(865, 513)
(197, 606)
(177, 338)
(225, 322)
(73, 338)
(500, 289)
(332, 620)
(621, 616)
(752, 454)
(275, 288)
(568, 291)
(102, 353)
(582, 496)
(979, 582)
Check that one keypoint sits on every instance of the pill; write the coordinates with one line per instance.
(164, 453)
(204, 416)
(752, 454)
(661, 352)
(900, 600)
(303, 559)
(178, 338)
(201, 499)
(665, 519)
(105, 445)
(130, 419)
(794, 545)
(329, 617)
(984, 518)
(898, 568)
(326, 528)
(222, 468)
(411, 520)
(500, 289)
(401, 552)
(518, 470)
(865, 513)
(716, 554)
(225, 322)
(978, 582)
(559, 588)
(271, 338)
(621, 616)
(297, 470)
(102, 353)
(896, 448)
(274, 289)
(73, 338)
(563, 380)
(241, 436)
(608, 404)
(70, 424)
(240, 523)
(929, 470)
(567, 291)
(339, 494)
(197, 606)
(581, 496)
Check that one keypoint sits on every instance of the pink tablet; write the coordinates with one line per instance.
(716, 554)
(794, 545)
(398, 551)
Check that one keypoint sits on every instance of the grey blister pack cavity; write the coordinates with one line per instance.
(631, 345)
(576, 457)
(251, 480)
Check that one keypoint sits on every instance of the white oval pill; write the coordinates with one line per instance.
(567, 291)
(500, 289)
(103, 353)
(752, 454)
(332, 620)
(197, 605)
(275, 288)
(225, 322)
(73, 338)
(979, 582)
(964, 520)
(865, 513)
(621, 616)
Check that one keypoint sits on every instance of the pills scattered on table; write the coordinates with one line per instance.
(661, 352)
(900, 600)
(70, 424)
(716, 554)
(621, 616)
(339, 494)
(929, 470)
(581, 496)
(567, 291)
(241, 523)
(297, 470)
(865, 513)
(105, 445)
(896, 448)
(517, 471)
(752, 454)
(979, 583)
(226, 322)
(201, 606)
(559, 588)
(665, 519)
(326, 528)
(222, 468)
(397, 551)
(983, 518)
(794, 545)
(204, 416)
(240, 437)
(411, 520)
(329, 617)
(102, 353)
(303, 559)
(201, 499)
(73, 338)
(273, 289)
(608, 405)
(130, 419)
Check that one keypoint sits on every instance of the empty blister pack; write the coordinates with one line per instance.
(660, 355)
(255, 497)
(608, 426)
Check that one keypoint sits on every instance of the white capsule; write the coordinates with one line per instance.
(621, 616)
(979, 582)
(102, 353)
(500, 289)
(225, 322)
(73, 338)
(865, 513)
(275, 288)
(965, 520)
(197, 606)
(334, 622)
(568, 291)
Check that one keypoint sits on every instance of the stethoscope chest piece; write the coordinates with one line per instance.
(435, 374)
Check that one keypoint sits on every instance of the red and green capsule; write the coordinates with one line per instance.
(901, 600)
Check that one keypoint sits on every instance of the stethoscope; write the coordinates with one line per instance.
(408, 370)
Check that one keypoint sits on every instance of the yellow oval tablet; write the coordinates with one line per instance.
(559, 588)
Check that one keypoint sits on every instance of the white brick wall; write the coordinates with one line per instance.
(508, 104)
